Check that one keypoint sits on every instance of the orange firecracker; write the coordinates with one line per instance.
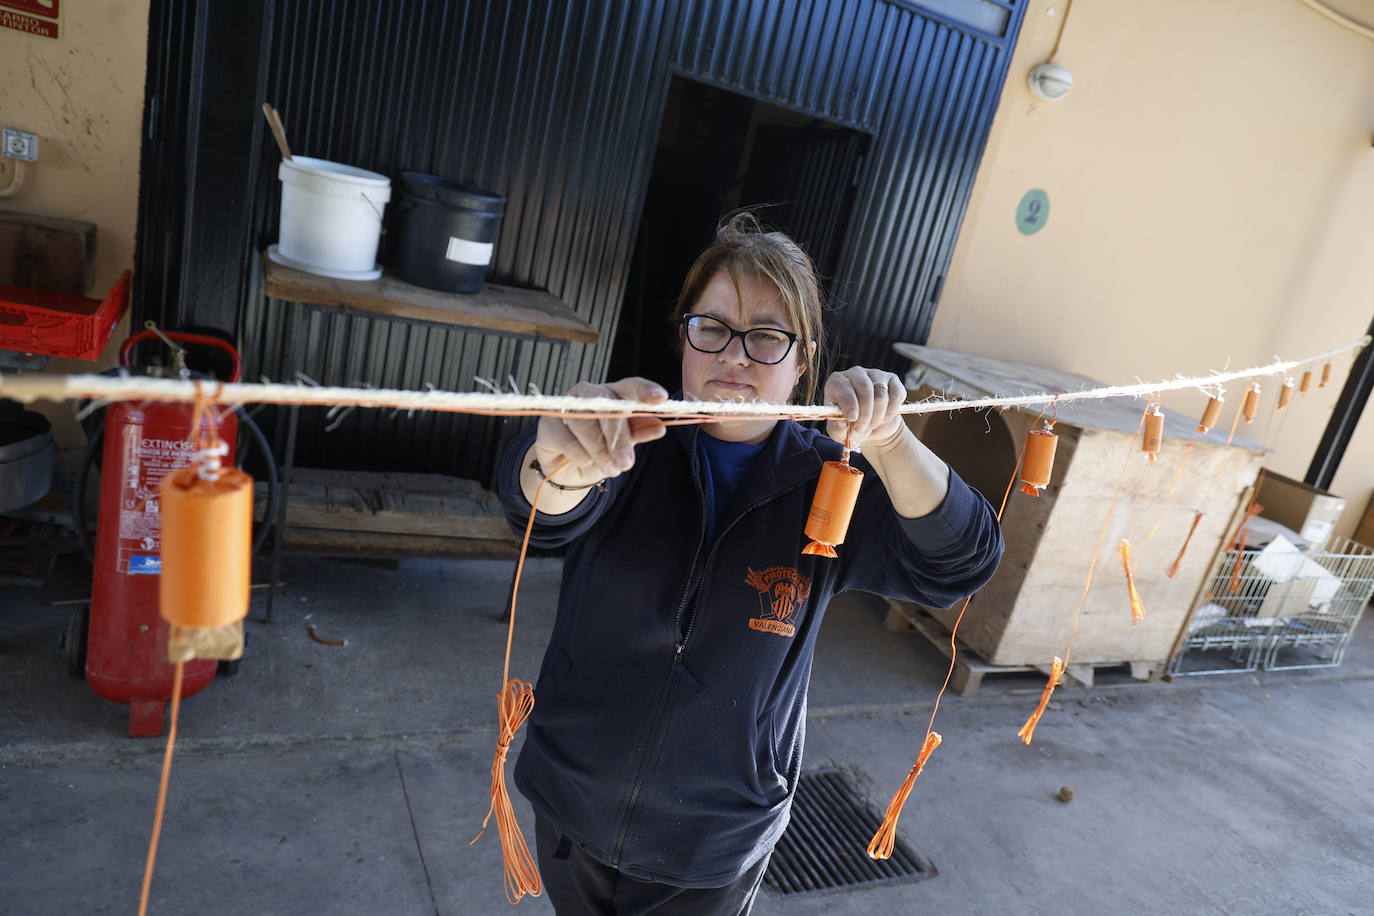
(1306, 382)
(1251, 402)
(831, 508)
(207, 546)
(1039, 464)
(1326, 376)
(1211, 413)
(1154, 435)
(1285, 393)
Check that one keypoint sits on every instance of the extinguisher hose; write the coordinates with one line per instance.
(93, 445)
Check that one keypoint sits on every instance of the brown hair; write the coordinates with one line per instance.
(742, 247)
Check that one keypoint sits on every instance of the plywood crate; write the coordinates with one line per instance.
(1025, 614)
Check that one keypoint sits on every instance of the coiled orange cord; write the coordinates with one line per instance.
(1137, 607)
(514, 703)
(1027, 731)
(881, 846)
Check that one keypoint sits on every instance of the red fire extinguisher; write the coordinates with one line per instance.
(126, 650)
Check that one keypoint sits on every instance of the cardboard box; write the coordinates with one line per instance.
(1310, 511)
(1364, 531)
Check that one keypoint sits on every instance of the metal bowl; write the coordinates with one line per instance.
(26, 456)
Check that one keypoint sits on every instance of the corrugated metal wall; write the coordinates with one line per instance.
(557, 105)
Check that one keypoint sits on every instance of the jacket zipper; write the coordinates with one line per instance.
(652, 739)
(677, 669)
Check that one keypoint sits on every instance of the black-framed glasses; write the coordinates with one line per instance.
(762, 345)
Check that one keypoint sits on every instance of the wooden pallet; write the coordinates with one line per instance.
(970, 670)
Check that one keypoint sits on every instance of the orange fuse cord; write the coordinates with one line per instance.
(885, 839)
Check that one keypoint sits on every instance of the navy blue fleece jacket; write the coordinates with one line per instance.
(670, 709)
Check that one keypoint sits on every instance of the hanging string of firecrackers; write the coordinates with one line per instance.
(203, 590)
(1150, 444)
(1058, 666)
(1209, 418)
(885, 838)
(516, 699)
(27, 388)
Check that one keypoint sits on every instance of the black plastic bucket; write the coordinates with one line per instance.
(444, 233)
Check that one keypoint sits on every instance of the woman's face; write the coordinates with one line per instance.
(731, 375)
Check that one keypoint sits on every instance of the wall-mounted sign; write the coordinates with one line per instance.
(1033, 212)
(32, 17)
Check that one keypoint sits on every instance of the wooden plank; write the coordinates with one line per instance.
(423, 505)
(332, 542)
(497, 308)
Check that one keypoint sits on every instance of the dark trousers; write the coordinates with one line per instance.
(577, 884)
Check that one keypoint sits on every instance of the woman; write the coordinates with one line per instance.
(666, 739)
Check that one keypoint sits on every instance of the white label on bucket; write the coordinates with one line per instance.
(465, 252)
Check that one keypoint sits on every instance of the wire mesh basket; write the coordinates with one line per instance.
(1278, 609)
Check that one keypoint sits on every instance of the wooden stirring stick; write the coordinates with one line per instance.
(274, 122)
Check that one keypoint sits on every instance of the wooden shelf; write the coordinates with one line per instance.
(501, 309)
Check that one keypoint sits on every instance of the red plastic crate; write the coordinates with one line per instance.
(60, 324)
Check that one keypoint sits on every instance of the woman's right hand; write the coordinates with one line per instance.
(597, 449)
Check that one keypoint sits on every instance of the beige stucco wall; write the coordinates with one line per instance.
(1210, 179)
(83, 95)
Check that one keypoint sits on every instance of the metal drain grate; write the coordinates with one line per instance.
(824, 848)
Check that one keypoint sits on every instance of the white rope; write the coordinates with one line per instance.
(34, 387)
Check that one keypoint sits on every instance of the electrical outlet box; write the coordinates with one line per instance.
(20, 144)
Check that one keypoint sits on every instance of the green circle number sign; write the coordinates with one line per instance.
(1033, 212)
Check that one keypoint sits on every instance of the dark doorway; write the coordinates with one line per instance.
(719, 151)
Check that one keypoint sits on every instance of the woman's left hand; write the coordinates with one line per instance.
(871, 400)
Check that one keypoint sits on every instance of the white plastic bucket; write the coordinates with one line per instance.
(331, 217)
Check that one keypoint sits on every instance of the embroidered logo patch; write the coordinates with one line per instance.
(782, 590)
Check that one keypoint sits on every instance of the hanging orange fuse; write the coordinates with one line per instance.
(1154, 435)
(832, 507)
(1039, 463)
(1211, 412)
(1137, 607)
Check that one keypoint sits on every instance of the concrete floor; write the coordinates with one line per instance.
(350, 780)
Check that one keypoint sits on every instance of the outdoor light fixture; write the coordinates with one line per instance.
(1049, 81)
